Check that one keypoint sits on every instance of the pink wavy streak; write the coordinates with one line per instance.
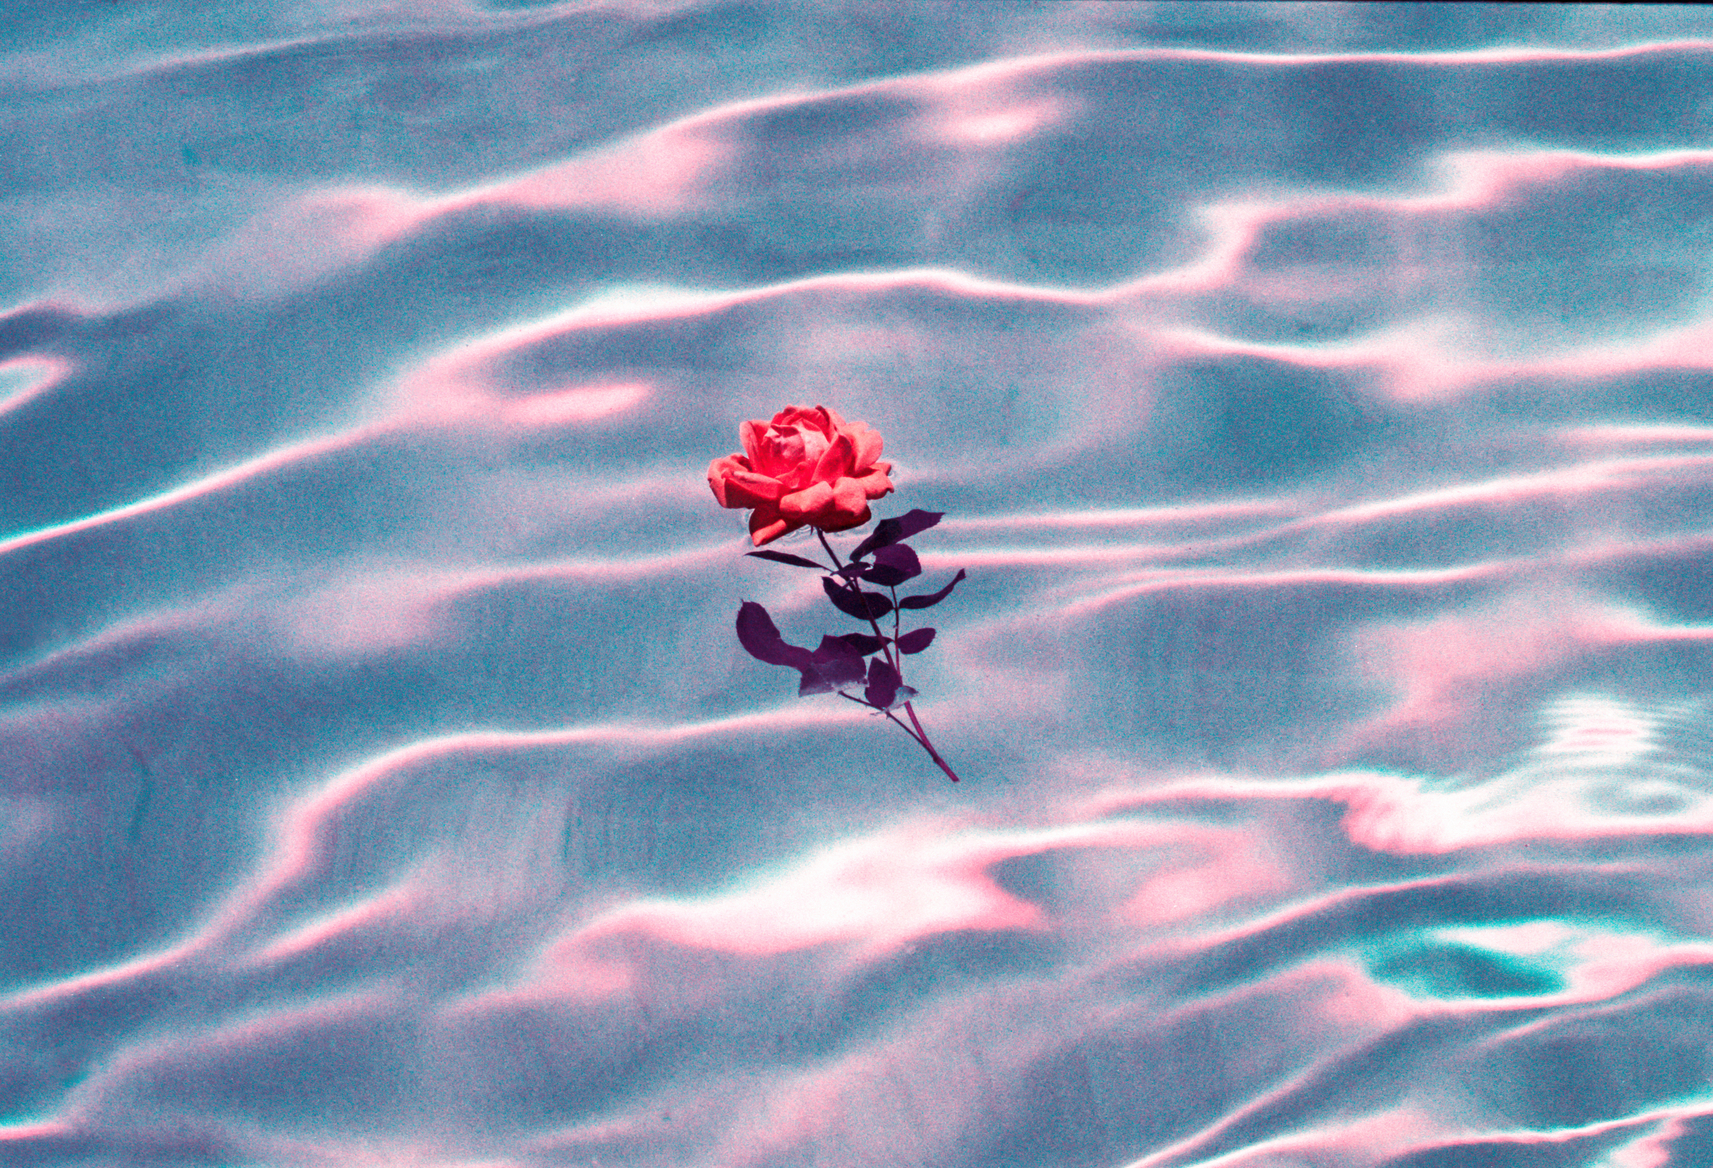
(1445, 668)
(1224, 868)
(1416, 359)
(870, 897)
(1593, 479)
(300, 452)
(1370, 1140)
(1405, 815)
(251, 918)
(43, 374)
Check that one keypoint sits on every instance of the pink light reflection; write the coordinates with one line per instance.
(879, 893)
(468, 383)
(47, 1129)
(471, 381)
(400, 902)
(1425, 359)
(664, 172)
(1599, 732)
(1374, 1139)
(1444, 1149)
(1316, 983)
(1443, 666)
(1611, 435)
(1609, 964)
(307, 827)
(1443, 669)
(208, 486)
(38, 373)
(1120, 589)
(1182, 513)
(1231, 866)
(874, 895)
(986, 116)
(1405, 815)
(358, 615)
(1654, 1149)
(268, 256)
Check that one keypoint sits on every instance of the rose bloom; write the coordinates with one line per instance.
(806, 468)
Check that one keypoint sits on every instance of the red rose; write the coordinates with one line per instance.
(806, 468)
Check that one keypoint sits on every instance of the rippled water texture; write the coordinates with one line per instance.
(1320, 398)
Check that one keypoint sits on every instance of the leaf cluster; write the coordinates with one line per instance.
(882, 559)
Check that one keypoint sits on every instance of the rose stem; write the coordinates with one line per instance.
(886, 647)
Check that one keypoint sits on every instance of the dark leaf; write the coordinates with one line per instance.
(837, 662)
(832, 666)
(890, 531)
(893, 565)
(928, 600)
(916, 642)
(863, 605)
(898, 555)
(758, 636)
(862, 643)
(786, 558)
(884, 690)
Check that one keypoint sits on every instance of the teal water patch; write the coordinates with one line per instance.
(1526, 959)
(1440, 970)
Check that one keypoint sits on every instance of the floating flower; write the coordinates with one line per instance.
(811, 468)
(805, 468)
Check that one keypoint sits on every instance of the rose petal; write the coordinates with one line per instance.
(804, 505)
(717, 479)
(782, 454)
(747, 489)
(720, 471)
(816, 418)
(751, 434)
(848, 498)
(847, 507)
(815, 447)
(806, 467)
(838, 462)
(875, 483)
(766, 525)
(868, 444)
(857, 520)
